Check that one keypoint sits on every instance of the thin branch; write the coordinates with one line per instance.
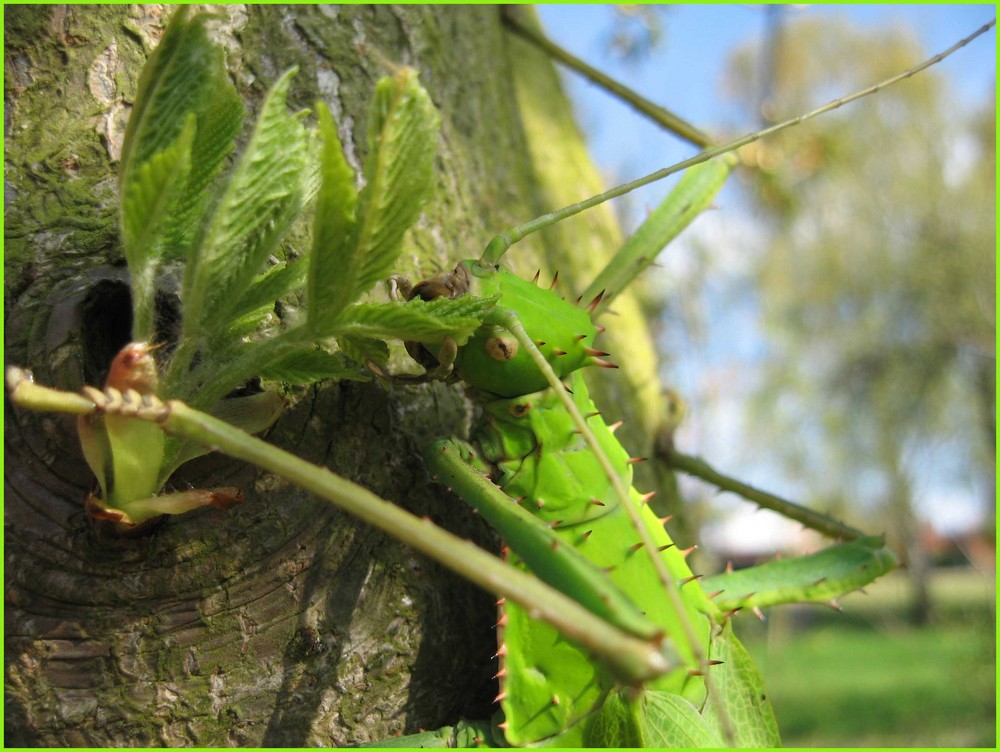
(659, 115)
(808, 517)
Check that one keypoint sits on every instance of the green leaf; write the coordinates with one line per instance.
(279, 279)
(330, 286)
(652, 719)
(416, 320)
(185, 73)
(219, 121)
(167, 160)
(240, 331)
(253, 414)
(360, 349)
(136, 455)
(309, 365)
(96, 448)
(151, 194)
(149, 205)
(399, 178)
(399, 171)
(669, 720)
(739, 688)
(261, 200)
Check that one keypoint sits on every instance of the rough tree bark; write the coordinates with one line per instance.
(281, 622)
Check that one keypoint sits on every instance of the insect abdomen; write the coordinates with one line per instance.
(548, 683)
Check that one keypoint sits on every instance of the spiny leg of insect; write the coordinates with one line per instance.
(459, 555)
(446, 355)
(509, 320)
(445, 358)
(400, 289)
(438, 366)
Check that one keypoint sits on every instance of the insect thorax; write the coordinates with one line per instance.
(543, 459)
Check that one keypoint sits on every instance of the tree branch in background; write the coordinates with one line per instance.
(811, 519)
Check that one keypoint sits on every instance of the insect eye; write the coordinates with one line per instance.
(502, 348)
(520, 410)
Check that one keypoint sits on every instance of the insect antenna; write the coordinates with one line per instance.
(499, 245)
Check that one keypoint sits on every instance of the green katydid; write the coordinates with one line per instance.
(685, 703)
(542, 436)
(535, 441)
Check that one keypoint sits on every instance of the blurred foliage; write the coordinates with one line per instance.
(863, 678)
(877, 286)
(635, 30)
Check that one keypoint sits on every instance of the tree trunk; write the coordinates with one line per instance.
(906, 530)
(283, 622)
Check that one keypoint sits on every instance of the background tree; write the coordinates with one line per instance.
(877, 285)
(280, 623)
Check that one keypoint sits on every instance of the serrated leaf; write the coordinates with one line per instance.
(360, 349)
(399, 171)
(185, 118)
(152, 193)
(279, 279)
(739, 687)
(219, 121)
(417, 320)
(309, 364)
(149, 206)
(260, 201)
(669, 720)
(184, 75)
(402, 135)
(240, 329)
(330, 285)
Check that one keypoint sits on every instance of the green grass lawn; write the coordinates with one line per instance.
(865, 678)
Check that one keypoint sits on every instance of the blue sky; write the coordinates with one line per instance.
(685, 74)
